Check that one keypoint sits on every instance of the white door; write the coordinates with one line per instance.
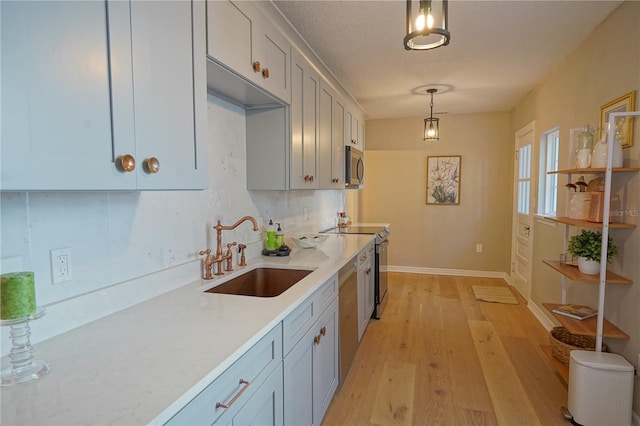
(522, 233)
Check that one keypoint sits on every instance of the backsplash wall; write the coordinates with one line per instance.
(129, 246)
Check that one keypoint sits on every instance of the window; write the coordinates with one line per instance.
(548, 189)
(524, 179)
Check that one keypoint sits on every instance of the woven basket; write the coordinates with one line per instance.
(563, 342)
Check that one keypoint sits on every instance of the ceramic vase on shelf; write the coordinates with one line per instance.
(584, 147)
(600, 153)
(588, 267)
(579, 205)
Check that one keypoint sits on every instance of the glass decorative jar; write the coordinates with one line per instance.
(584, 146)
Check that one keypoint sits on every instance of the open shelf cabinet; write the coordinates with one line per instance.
(572, 272)
(586, 327)
(596, 326)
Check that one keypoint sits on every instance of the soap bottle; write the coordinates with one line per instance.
(279, 237)
(271, 236)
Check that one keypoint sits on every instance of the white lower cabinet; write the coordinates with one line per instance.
(288, 377)
(231, 395)
(265, 406)
(311, 371)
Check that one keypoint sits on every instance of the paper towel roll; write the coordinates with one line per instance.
(17, 295)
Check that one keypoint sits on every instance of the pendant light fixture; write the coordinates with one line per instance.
(427, 27)
(431, 125)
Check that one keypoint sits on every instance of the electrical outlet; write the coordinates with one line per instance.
(478, 248)
(61, 265)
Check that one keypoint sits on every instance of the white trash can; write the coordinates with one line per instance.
(600, 388)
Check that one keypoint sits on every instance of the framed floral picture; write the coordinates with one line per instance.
(443, 179)
(623, 127)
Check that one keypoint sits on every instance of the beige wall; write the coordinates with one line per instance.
(605, 66)
(439, 236)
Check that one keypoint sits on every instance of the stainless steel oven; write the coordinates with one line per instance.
(381, 244)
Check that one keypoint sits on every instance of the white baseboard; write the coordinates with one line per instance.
(444, 271)
(540, 316)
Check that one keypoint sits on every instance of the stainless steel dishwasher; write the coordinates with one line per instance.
(348, 303)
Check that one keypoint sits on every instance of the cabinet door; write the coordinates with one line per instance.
(330, 139)
(273, 51)
(355, 128)
(229, 29)
(305, 89)
(298, 381)
(325, 362)
(266, 405)
(56, 112)
(168, 69)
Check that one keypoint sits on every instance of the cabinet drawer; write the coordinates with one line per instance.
(253, 367)
(298, 322)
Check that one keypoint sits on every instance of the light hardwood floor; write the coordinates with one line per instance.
(440, 357)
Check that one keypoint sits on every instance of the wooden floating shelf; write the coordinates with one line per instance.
(586, 327)
(594, 170)
(572, 272)
(587, 224)
(562, 369)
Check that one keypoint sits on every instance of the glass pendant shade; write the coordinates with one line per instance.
(431, 125)
(431, 129)
(427, 22)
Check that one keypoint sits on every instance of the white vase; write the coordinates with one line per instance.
(588, 267)
(600, 151)
(579, 205)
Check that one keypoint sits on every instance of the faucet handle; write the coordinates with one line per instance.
(241, 248)
(207, 264)
(230, 245)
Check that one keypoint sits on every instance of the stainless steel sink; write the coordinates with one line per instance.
(261, 282)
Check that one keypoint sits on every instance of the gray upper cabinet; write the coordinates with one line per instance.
(242, 40)
(305, 92)
(84, 85)
(331, 138)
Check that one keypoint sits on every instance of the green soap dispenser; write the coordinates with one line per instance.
(271, 236)
(279, 237)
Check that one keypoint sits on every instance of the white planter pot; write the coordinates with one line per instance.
(588, 267)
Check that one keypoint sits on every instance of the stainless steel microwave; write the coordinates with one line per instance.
(354, 172)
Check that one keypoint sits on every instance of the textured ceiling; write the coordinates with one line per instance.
(499, 50)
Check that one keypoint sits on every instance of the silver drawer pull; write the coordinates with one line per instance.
(230, 403)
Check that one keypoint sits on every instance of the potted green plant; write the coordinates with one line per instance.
(587, 247)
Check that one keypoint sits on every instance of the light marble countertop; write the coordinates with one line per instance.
(142, 364)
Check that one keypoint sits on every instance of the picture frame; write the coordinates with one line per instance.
(443, 179)
(624, 125)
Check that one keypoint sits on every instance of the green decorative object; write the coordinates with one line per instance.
(18, 295)
(588, 244)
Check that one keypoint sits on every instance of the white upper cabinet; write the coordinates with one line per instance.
(305, 92)
(245, 42)
(354, 126)
(169, 80)
(331, 138)
(69, 109)
(56, 112)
